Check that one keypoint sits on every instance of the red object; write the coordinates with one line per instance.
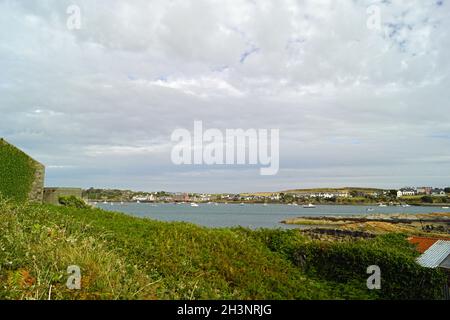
(424, 243)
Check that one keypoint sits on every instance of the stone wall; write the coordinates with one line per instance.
(37, 187)
(51, 195)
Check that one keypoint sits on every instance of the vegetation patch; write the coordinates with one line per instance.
(346, 263)
(73, 202)
(16, 172)
(124, 257)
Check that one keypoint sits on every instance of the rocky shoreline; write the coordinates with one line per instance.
(433, 224)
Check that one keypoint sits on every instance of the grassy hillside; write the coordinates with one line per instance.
(345, 189)
(123, 257)
(16, 172)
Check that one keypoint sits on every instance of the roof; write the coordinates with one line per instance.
(424, 243)
(435, 255)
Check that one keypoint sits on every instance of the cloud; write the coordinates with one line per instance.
(353, 105)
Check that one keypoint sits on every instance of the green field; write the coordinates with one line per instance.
(123, 257)
(16, 172)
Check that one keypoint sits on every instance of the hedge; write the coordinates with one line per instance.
(17, 172)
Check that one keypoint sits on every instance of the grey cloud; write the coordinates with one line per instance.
(353, 105)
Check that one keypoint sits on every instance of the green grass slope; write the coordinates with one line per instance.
(123, 257)
(16, 172)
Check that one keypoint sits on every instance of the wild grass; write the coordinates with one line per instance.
(123, 257)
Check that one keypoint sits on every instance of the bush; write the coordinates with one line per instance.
(402, 277)
(426, 199)
(73, 202)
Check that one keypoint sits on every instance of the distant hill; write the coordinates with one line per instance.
(344, 189)
(316, 190)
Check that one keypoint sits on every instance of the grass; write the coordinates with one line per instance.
(124, 257)
(16, 172)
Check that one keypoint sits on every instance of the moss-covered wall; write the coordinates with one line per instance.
(21, 177)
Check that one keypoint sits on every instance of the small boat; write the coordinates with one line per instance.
(370, 209)
(309, 206)
(445, 208)
(382, 205)
(105, 202)
(295, 204)
(138, 201)
(265, 204)
(406, 206)
(121, 202)
(242, 204)
(193, 204)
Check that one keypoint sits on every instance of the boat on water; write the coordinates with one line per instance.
(138, 201)
(265, 204)
(382, 205)
(370, 209)
(445, 207)
(242, 204)
(295, 204)
(309, 206)
(193, 204)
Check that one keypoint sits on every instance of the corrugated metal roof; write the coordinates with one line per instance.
(434, 256)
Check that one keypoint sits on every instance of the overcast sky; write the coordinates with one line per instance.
(355, 106)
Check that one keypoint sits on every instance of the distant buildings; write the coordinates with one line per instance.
(424, 190)
(408, 191)
(438, 192)
(404, 192)
(324, 195)
(181, 197)
(144, 197)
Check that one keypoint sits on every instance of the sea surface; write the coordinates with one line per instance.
(248, 215)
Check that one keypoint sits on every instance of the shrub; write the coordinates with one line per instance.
(73, 202)
(426, 199)
(402, 277)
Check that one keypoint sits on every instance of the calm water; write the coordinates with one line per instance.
(248, 215)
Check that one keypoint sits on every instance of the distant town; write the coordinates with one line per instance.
(410, 195)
